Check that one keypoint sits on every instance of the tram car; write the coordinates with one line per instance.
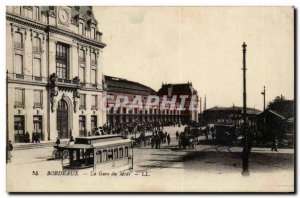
(225, 134)
(98, 152)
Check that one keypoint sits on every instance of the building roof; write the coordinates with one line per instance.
(86, 11)
(99, 137)
(273, 113)
(235, 108)
(177, 89)
(121, 85)
(112, 143)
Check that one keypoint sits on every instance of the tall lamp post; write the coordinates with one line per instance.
(246, 150)
(264, 94)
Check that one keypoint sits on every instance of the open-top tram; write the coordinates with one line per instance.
(98, 152)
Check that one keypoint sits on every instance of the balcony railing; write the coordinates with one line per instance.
(37, 49)
(94, 107)
(37, 78)
(22, 77)
(37, 104)
(40, 79)
(64, 80)
(82, 106)
(18, 45)
(19, 103)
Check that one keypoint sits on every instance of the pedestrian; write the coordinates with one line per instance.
(274, 144)
(37, 136)
(33, 137)
(168, 139)
(165, 137)
(177, 135)
(97, 132)
(206, 134)
(158, 141)
(152, 141)
(191, 143)
(71, 141)
(213, 135)
(57, 142)
(27, 137)
(9, 148)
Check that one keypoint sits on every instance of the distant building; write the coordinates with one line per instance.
(271, 124)
(228, 115)
(155, 113)
(190, 105)
(122, 87)
(54, 71)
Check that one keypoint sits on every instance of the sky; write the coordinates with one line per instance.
(202, 45)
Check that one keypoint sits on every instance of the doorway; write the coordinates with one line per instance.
(62, 121)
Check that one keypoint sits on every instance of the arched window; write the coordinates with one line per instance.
(18, 41)
(36, 45)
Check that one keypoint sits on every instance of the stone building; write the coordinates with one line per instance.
(149, 113)
(186, 98)
(229, 115)
(54, 71)
(122, 87)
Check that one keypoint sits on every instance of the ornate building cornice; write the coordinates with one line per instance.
(52, 29)
(26, 22)
(47, 28)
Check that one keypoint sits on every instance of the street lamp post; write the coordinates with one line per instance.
(264, 94)
(245, 155)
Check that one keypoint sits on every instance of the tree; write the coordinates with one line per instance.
(282, 106)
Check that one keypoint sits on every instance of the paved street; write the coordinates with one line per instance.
(205, 162)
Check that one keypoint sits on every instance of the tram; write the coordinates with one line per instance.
(98, 152)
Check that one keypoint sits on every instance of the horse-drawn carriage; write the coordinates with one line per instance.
(189, 138)
(142, 140)
(226, 134)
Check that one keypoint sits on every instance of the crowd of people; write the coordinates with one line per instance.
(158, 138)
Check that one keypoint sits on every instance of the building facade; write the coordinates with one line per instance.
(187, 100)
(229, 115)
(54, 72)
(147, 112)
(122, 87)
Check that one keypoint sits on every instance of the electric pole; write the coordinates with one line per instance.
(264, 94)
(246, 149)
(200, 114)
(205, 103)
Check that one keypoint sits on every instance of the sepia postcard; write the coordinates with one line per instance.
(150, 99)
